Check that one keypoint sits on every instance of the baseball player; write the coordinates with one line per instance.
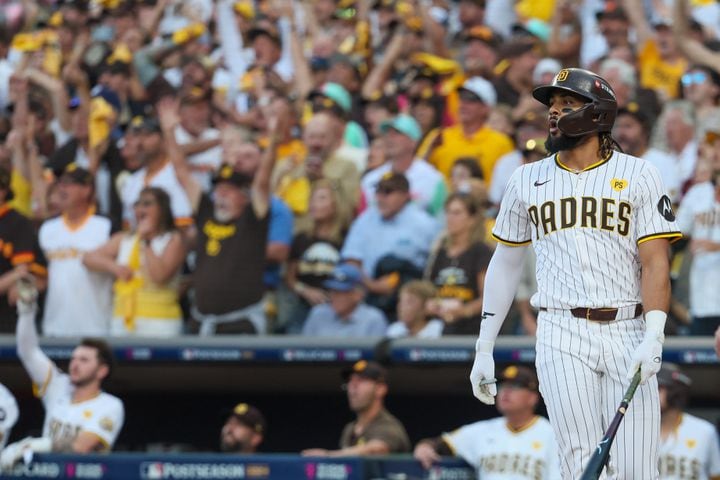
(8, 414)
(79, 416)
(517, 446)
(689, 446)
(699, 218)
(596, 218)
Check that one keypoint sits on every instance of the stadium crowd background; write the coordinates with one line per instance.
(385, 131)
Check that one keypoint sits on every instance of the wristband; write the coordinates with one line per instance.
(655, 324)
(483, 346)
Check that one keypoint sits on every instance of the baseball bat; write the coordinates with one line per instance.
(600, 458)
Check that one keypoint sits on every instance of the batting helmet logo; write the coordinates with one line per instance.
(597, 115)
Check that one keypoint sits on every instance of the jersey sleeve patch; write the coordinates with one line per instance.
(665, 209)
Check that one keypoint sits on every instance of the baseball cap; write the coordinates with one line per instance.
(519, 376)
(517, 47)
(484, 34)
(404, 124)
(76, 175)
(670, 375)
(611, 11)
(345, 277)
(267, 29)
(482, 89)
(108, 95)
(365, 369)
(336, 93)
(228, 174)
(393, 182)
(145, 124)
(250, 416)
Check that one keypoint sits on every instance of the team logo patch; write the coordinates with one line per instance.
(691, 443)
(87, 413)
(107, 424)
(665, 208)
(618, 184)
(562, 75)
(536, 445)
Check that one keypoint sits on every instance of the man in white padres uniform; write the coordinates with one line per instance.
(78, 302)
(689, 446)
(8, 414)
(699, 218)
(517, 446)
(79, 416)
(596, 219)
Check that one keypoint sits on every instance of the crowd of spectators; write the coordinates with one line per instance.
(320, 167)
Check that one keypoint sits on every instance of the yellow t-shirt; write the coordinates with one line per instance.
(22, 202)
(659, 75)
(486, 146)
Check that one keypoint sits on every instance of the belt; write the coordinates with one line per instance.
(599, 314)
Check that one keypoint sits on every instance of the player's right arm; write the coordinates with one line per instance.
(430, 450)
(513, 232)
(38, 366)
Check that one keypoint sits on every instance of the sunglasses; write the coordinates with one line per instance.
(695, 78)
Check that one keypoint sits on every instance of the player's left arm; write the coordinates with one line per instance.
(655, 280)
(655, 293)
(101, 431)
(88, 442)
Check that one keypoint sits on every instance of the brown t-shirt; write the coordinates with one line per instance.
(230, 260)
(456, 277)
(383, 427)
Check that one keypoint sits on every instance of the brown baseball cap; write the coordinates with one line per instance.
(365, 369)
(484, 34)
(250, 416)
(228, 174)
(393, 182)
(77, 175)
(519, 376)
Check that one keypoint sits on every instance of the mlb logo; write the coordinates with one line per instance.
(151, 470)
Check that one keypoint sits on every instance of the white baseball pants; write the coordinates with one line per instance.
(582, 366)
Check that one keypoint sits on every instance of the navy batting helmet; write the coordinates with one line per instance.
(598, 115)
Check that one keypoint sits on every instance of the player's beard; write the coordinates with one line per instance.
(557, 144)
(230, 444)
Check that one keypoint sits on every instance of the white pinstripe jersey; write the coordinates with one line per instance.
(102, 416)
(691, 452)
(699, 217)
(585, 227)
(499, 453)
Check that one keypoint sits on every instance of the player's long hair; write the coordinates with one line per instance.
(608, 145)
